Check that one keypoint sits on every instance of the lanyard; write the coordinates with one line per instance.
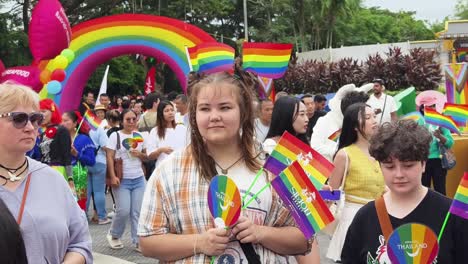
(23, 201)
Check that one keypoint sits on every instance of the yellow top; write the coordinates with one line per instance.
(364, 181)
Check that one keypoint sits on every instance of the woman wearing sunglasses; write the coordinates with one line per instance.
(54, 228)
(83, 153)
(129, 190)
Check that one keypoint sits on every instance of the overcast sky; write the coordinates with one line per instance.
(430, 10)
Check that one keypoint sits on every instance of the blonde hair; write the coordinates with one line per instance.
(13, 95)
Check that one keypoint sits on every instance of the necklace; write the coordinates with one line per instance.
(12, 173)
(225, 171)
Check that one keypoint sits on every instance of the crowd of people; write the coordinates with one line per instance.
(55, 173)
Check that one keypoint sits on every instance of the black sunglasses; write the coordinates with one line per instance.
(20, 119)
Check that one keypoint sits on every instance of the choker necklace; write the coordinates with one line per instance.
(225, 171)
(12, 173)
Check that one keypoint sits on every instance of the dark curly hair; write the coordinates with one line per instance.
(404, 140)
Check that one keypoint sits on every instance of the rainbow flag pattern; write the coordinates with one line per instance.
(458, 112)
(460, 200)
(412, 244)
(92, 120)
(290, 149)
(224, 200)
(433, 117)
(303, 200)
(335, 136)
(415, 116)
(269, 60)
(211, 57)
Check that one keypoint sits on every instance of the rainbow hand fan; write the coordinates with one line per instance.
(412, 243)
(224, 201)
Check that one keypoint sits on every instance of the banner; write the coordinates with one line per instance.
(150, 81)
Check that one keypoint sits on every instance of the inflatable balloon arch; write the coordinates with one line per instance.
(65, 58)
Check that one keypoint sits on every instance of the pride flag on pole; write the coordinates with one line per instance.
(269, 60)
(460, 200)
(211, 57)
(303, 200)
(434, 118)
(91, 119)
(290, 149)
(458, 112)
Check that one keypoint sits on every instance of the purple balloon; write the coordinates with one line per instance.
(25, 75)
(49, 30)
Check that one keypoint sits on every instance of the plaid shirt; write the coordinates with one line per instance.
(175, 202)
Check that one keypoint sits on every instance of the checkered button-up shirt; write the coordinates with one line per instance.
(175, 202)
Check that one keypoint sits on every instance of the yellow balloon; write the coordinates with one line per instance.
(60, 62)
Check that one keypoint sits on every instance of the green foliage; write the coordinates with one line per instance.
(14, 46)
(462, 9)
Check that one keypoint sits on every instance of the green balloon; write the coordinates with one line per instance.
(69, 54)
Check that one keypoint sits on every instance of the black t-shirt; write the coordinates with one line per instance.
(313, 121)
(365, 243)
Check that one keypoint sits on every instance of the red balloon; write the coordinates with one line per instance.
(58, 75)
(25, 75)
(49, 30)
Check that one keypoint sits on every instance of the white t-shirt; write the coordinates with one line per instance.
(176, 138)
(131, 166)
(378, 103)
(261, 130)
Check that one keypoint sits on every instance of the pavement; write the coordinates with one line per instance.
(103, 254)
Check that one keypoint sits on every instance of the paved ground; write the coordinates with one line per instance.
(105, 255)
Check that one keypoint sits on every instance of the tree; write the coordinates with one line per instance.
(462, 9)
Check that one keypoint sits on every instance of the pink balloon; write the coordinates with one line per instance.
(25, 75)
(49, 30)
(2, 67)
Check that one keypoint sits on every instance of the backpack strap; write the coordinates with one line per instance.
(384, 219)
(118, 141)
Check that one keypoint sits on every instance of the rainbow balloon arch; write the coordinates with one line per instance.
(96, 41)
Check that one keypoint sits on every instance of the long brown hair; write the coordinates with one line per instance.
(161, 123)
(205, 163)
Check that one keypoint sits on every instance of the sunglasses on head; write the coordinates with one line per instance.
(20, 119)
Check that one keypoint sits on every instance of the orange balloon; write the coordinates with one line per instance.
(45, 76)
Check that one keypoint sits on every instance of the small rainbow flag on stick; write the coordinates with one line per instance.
(92, 120)
(303, 200)
(434, 118)
(415, 116)
(269, 60)
(459, 204)
(290, 149)
(458, 112)
(335, 136)
(460, 201)
(211, 57)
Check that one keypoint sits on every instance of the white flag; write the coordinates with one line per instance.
(103, 88)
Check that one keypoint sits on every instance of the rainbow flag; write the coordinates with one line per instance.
(269, 60)
(303, 200)
(211, 57)
(290, 149)
(335, 136)
(137, 137)
(460, 200)
(434, 118)
(415, 116)
(458, 112)
(92, 120)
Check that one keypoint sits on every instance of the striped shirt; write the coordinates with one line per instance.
(175, 202)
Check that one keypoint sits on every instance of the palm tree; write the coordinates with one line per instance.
(331, 9)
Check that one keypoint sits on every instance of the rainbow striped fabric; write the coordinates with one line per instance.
(458, 112)
(335, 136)
(303, 200)
(415, 116)
(434, 118)
(290, 149)
(211, 57)
(269, 60)
(92, 120)
(460, 200)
